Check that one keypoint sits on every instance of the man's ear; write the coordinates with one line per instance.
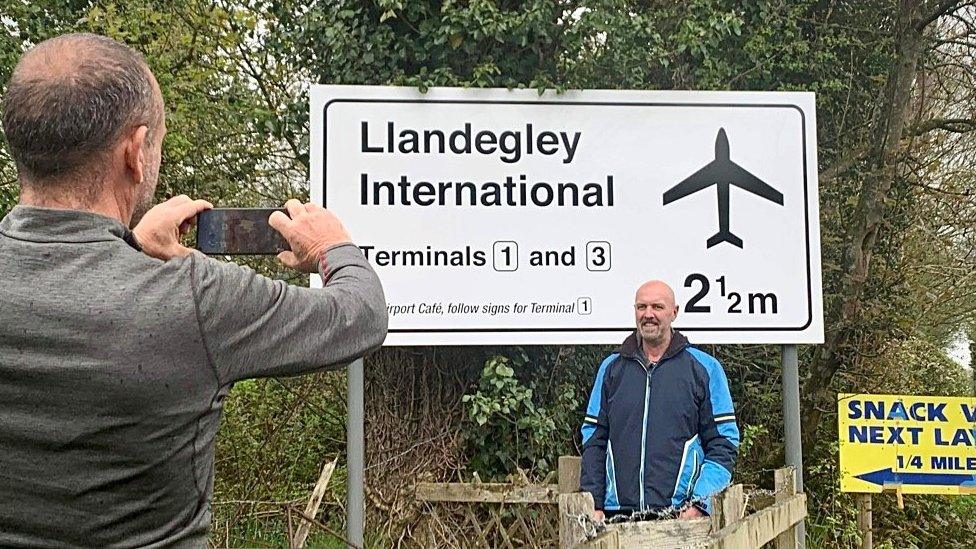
(134, 149)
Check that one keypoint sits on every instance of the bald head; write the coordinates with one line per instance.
(656, 288)
(70, 99)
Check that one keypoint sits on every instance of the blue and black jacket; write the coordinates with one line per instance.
(658, 434)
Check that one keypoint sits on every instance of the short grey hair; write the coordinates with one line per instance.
(58, 121)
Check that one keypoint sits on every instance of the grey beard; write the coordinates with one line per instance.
(660, 336)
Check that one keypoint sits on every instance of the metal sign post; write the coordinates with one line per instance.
(791, 423)
(355, 454)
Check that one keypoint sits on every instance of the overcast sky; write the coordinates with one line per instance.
(959, 350)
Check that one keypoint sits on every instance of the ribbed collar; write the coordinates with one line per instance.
(35, 224)
(631, 346)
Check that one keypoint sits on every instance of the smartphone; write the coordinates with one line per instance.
(238, 231)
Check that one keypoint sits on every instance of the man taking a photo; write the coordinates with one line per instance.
(118, 347)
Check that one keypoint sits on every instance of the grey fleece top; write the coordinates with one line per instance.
(114, 367)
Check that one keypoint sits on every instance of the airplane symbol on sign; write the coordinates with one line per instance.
(722, 172)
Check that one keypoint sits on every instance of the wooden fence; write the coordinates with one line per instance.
(548, 515)
(490, 514)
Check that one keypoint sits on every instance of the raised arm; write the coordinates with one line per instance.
(253, 326)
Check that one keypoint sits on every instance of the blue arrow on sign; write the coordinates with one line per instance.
(887, 476)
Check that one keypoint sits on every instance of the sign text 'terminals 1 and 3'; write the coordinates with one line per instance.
(916, 444)
(496, 216)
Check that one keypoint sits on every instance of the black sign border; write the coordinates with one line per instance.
(806, 203)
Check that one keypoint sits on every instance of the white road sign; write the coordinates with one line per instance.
(506, 217)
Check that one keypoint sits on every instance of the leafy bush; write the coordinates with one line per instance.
(509, 430)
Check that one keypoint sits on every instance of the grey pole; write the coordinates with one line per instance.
(791, 423)
(355, 453)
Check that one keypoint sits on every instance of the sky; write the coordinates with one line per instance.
(959, 350)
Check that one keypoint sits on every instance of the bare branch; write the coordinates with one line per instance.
(945, 7)
(954, 125)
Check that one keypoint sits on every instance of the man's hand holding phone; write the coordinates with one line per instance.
(310, 230)
(159, 231)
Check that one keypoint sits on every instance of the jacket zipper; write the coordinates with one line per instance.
(647, 389)
(647, 398)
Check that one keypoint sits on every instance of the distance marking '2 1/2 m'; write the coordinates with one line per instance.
(754, 302)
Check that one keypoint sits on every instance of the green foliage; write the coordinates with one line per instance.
(225, 139)
(509, 429)
(526, 409)
(274, 440)
(749, 435)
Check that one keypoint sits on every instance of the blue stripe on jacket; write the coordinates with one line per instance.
(593, 406)
(595, 440)
(719, 439)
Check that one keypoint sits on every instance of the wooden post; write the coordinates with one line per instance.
(312, 507)
(572, 506)
(728, 506)
(864, 520)
(761, 527)
(606, 540)
(785, 489)
(897, 489)
(733, 505)
(569, 474)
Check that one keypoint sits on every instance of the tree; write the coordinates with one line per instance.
(885, 168)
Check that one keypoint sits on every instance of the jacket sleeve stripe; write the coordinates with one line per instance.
(730, 431)
(593, 406)
(721, 399)
(721, 435)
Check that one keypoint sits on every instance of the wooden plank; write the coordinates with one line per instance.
(761, 527)
(499, 492)
(606, 540)
(717, 519)
(733, 504)
(314, 502)
(864, 520)
(785, 479)
(571, 506)
(569, 474)
(663, 534)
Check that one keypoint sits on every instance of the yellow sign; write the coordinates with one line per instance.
(915, 444)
